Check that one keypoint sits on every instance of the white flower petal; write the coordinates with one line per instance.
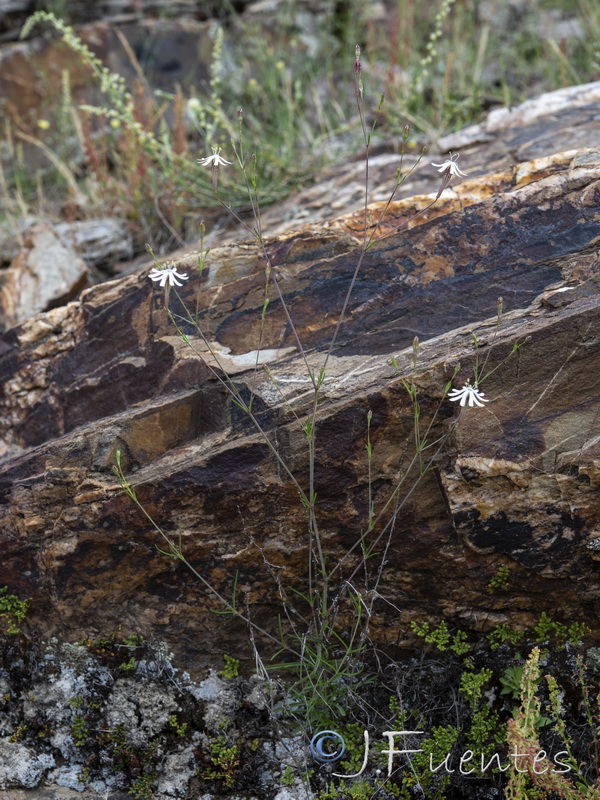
(451, 165)
(456, 394)
(167, 274)
(215, 160)
(468, 394)
(174, 275)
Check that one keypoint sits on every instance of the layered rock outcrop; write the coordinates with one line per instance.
(514, 484)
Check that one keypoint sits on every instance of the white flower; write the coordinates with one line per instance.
(215, 160)
(468, 393)
(167, 274)
(450, 165)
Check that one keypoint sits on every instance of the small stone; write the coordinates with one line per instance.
(45, 273)
(100, 242)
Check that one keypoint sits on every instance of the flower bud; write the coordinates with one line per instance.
(357, 64)
(415, 348)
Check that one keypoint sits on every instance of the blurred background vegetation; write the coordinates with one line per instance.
(287, 63)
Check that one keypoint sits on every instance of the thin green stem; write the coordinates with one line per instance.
(228, 384)
(175, 551)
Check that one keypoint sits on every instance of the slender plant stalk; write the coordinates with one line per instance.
(176, 551)
(317, 671)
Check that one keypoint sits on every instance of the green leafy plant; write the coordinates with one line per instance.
(547, 628)
(129, 666)
(80, 731)
(504, 634)
(436, 748)
(511, 681)
(441, 637)
(133, 758)
(19, 732)
(231, 668)
(113, 646)
(224, 759)
(438, 636)
(471, 685)
(499, 582)
(523, 733)
(590, 704)
(135, 640)
(143, 787)
(288, 777)
(84, 776)
(12, 611)
(179, 728)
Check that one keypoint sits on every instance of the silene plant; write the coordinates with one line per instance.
(325, 666)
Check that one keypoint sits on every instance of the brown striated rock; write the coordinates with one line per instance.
(516, 480)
